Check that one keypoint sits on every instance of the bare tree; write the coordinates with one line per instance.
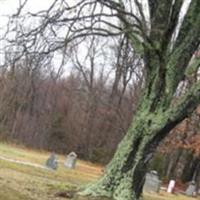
(162, 36)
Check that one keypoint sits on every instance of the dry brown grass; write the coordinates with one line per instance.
(20, 182)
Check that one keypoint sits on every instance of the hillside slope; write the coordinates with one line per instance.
(19, 181)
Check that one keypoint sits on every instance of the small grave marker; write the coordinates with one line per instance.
(191, 190)
(152, 182)
(52, 162)
(70, 161)
(171, 186)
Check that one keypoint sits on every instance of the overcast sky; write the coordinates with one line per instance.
(8, 7)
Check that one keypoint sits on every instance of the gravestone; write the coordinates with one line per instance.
(70, 161)
(191, 189)
(171, 186)
(152, 182)
(52, 162)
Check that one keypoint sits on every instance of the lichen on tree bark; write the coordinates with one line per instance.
(125, 174)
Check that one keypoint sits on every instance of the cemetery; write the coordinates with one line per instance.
(44, 184)
(99, 99)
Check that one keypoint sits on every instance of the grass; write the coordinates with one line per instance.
(21, 182)
(166, 196)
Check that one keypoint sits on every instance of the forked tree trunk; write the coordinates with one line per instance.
(158, 113)
(125, 175)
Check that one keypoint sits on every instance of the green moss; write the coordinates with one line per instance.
(193, 67)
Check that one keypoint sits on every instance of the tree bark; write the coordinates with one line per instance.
(165, 63)
(124, 176)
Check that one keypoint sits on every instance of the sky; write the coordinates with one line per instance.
(9, 7)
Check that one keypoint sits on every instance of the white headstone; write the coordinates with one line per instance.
(70, 161)
(171, 186)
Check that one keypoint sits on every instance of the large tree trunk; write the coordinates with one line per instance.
(124, 176)
(156, 116)
(167, 62)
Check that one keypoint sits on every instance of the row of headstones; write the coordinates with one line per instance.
(70, 161)
(152, 181)
(153, 184)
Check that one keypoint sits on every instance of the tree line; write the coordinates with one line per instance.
(157, 37)
(81, 110)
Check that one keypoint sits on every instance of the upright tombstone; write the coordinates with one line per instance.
(70, 161)
(191, 189)
(52, 162)
(171, 186)
(152, 182)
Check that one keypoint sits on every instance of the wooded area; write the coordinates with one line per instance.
(131, 80)
(85, 111)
